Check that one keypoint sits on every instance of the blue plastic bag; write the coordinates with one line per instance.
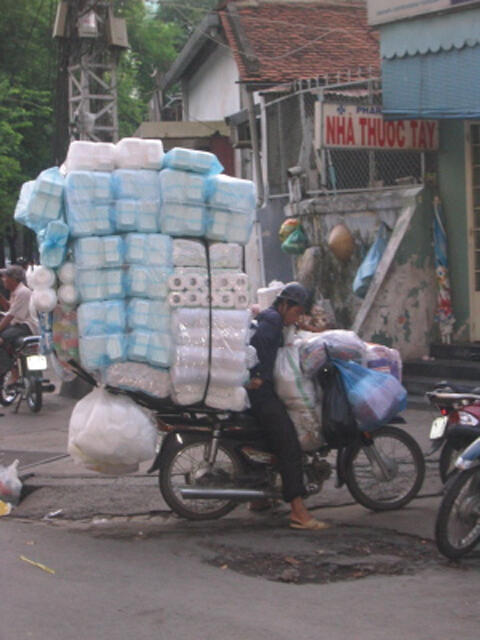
(369, 264)
(375, 397)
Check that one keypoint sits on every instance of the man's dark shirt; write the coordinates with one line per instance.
(267, 339)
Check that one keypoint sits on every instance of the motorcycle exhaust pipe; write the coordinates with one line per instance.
(240, 495)
(48, 388)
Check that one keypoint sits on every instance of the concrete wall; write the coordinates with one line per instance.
(212, 93)
(452, 190)
(402, 312)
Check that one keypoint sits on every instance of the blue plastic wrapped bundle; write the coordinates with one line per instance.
(182, 186)
(21, 209)
(149, 346)
(192, 160)
(227, 226)
(232, 194)
(89, 201)
(147, 282)
(45, 201)
(154, 249)
(101, 318)
(98, 352)
(137, 195)
(180, 219)
(52, 243)
(101, 284)
(143, 313)
(98, 252)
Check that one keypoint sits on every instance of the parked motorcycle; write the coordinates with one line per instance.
(457, 528)
(211, 461)
(30, 384)
(457, 426)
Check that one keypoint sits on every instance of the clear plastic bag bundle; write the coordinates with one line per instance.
(229, 226)
(100, 284)
(153, 347)
(143, 313)
(84, 155)
(384, 359)
(98, 352)
(110, 433)
(138, 376)
(147, 282)
(375, 397)
(89, 203)
(99, 252)
(338, 343)
(10, 483)
(21, 208)
(226, 255)
(137, 200)
(189, 253)
(231, 194)
(155, 249)
(182, 219)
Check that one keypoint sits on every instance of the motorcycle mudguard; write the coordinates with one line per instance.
(341, 466)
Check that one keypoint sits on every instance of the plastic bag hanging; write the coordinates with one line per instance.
(296, 242)
(444, 314)
(369, 265)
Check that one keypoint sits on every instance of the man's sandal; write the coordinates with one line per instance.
(310, 525)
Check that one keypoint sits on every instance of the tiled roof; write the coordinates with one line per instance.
(279, 41)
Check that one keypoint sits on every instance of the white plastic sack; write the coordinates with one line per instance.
(299, 395)
(110, 434)
(10, 484)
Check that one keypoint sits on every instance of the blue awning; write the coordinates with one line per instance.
(431, 67)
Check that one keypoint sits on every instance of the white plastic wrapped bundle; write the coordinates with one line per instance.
(130, 153)
(192, 160)
(137, 376)
(66, 273)
(89, 201)
(228, 226)
(147, 282)
(153, 154)
(187, 394)
(227, 398)
(339, 343)
(67, 294)
(182, 186)
(44, 300)
(42, 278)
(52, 243)
(150, 346)
(101, 318)
(231, 194)
(154, 249)
(45, 202)
(180, 219)
(98, 352)
(188, 278)
(84, 155)
(190, 366)
(110, 433)
(266, 295)
(154, 315)
(384, 359)
(188, 253)
(229, 281)
(226, 255)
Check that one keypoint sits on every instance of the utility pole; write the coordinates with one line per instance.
(91, 40)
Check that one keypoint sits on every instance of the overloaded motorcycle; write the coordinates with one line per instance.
(457, 527)
(457, 426)
(30, 365)
(209, 462)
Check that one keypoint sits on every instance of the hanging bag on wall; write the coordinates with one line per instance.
(369, 264)
(296, 242)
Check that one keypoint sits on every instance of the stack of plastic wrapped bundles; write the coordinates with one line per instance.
(218, 373)
(231, 203)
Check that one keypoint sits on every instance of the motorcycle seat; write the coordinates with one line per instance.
(444, 385)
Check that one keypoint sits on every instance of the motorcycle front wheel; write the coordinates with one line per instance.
(385, 471)
(33, 393)
(184, 463)
(8, 393)
(457, 528)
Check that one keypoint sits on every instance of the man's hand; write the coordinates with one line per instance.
(255, 383)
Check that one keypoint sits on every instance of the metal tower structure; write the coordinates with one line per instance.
(91, 40)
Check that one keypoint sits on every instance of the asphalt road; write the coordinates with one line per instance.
(124, 567)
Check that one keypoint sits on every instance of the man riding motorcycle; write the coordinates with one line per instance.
(18, 321)
(268, 408)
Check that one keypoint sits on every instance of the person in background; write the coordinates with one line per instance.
(17, 321)
(268, 408)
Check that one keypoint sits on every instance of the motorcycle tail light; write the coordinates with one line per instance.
(467, 418)
(444, 411)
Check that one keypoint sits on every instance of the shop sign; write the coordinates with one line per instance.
(380, 11)
(355, 126)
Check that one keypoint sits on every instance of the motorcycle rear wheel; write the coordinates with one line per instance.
(457, 528)
(387, 474)
(33, 394)
(182, 460)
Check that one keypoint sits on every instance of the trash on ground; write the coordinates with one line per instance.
(10, 484)
(38, 564)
